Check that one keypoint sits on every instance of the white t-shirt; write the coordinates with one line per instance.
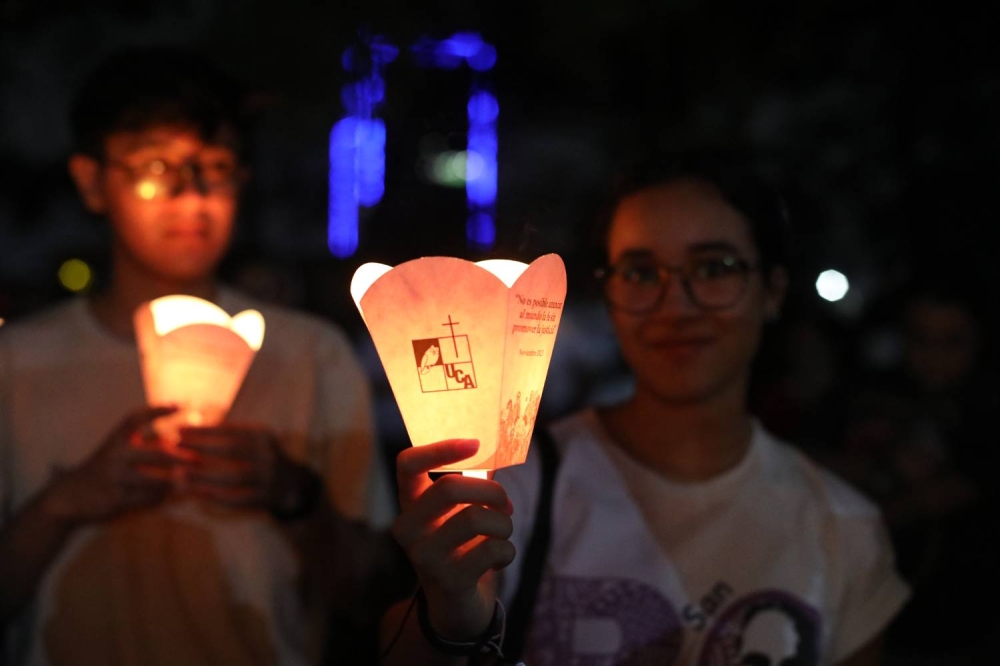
(773, 562)
(185, 582)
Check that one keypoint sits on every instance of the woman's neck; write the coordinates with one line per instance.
(689, 441)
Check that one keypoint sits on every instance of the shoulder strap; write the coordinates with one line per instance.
(533, 566)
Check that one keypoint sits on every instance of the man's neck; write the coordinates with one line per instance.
(130, 286)
(692, 441)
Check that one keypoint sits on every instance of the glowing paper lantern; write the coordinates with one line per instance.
(466, 347)
(194, 355)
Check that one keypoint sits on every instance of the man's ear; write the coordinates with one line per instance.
(86, 174)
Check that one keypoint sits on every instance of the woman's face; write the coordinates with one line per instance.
(679, 350)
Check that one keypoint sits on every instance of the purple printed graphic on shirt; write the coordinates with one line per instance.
(766, 628)
(602, 622)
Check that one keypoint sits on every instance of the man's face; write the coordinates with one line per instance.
(680, 351)
(172, 224)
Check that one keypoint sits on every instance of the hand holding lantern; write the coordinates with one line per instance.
(466, 348)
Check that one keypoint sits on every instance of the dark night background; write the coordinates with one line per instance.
(877, 121)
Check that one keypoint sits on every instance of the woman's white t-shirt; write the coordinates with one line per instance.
(775, 561)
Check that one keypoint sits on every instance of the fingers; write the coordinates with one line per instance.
(236, 498)
(226, 442)
(456, 551)
(147, 415)
(231, 476)
(490, 555)
(136, 429)
(413, 464)
(141, 476)
(149, 457)
(235, 464)
(135, 492)
(453, 490)
(224, 431)
(456, 572)
(470, 523)
(465, 525)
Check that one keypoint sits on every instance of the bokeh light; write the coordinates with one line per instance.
(146, 189)
(75, 275)
(832, 285)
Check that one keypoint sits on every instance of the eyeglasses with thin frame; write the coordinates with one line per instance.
(637, 285)
(160, 179)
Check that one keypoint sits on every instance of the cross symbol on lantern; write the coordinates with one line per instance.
(451, 325)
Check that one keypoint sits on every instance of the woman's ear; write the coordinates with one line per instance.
(775, 291)
(86, 174)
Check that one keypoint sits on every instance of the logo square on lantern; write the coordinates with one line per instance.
(444, 364)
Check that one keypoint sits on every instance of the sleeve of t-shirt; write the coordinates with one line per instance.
(521, 482)
(348, 456)
(873, 591)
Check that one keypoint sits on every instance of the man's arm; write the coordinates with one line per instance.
(118, 477)
(28, 544)
(358, 571)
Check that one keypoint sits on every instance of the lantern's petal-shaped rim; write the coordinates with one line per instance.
(507, 271)
(249, 325)
(173, 312)
(364, 278)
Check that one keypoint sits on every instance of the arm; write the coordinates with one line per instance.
(872, 591)
(118, 477)
(355, 569)
(402, 642)
(28, 544)
(455, 532)
(359, 571)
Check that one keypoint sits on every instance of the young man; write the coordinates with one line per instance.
(104, 559)
(682, 533)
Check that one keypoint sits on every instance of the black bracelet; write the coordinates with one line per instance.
(490, 640)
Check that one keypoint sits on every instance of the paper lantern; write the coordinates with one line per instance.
(194, 355)
(466, 347)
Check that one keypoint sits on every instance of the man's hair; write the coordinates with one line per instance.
(759, 203)
(143, 88)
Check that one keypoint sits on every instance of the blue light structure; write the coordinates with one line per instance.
(357, 145)
(357, 141)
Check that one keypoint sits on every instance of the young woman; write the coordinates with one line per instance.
(681, 531)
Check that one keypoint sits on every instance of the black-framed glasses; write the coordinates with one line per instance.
(637, 285)
(160, 179)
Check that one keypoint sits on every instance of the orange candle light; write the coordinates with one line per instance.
(194, 355)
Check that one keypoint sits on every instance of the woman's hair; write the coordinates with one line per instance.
(759, 203)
